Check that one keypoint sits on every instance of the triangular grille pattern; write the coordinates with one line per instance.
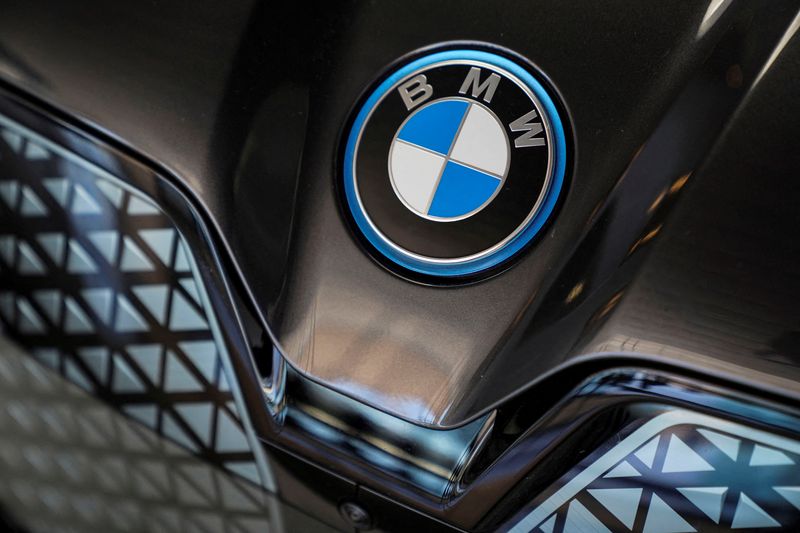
(70, 463)
(91, 272)
(687, 477)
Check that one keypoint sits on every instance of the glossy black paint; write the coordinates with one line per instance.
(326, 450)
(587, 308)
(674, 245)
(654, 108)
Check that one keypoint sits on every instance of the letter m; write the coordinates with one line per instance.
(477, 88)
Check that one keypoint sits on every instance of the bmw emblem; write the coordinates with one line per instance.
(454, 162)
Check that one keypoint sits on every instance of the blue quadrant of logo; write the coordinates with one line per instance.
(434, 127)
(461, 190)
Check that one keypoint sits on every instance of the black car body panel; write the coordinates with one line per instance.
(665, 282)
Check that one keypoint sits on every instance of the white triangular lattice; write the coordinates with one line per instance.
(707, 499)
(124, 379)
(148, 358)
(580, 519)
(229, 435)
(765, 456)
(31, 205)
(128, 318)
(133, 258)
(178, 378)
(203, 355)
(146, 414)
(29, 262)
(101, 301)
(35, 151)
(174, 431)
(247, 470)
(622, 503)
(50, 302)
(96, 359)
(181, 260)
(661, 518)
(12, 138)
(647, 453)
(184, 316)
(190, 287)
(624, 469)
(154, 298)
(681, 458)
(54, 245)
(791, 494)
(198, 417)
(139, 206)
(726, 444)
(9, 192)
(113, 193)
(28, 320)
(548, 525)
(160, 242)
(78, 260)
(75, 320)
(76, 375)
(749, 514)
(8, 246)
(83, 203)
(58, 189)
(106, 242)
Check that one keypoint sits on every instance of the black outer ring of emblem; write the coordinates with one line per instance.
(523, 185)
(413, 275)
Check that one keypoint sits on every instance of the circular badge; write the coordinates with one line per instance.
(454, 163)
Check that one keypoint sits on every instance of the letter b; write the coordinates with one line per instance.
(415, 91)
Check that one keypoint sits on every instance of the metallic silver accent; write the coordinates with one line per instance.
(530, 128)
(421, 92)
(472, 453)
(551, 154)
(474, 78)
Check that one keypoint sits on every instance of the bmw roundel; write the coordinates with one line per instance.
(454, 162)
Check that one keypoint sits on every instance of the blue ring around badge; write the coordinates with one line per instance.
(473, 266)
